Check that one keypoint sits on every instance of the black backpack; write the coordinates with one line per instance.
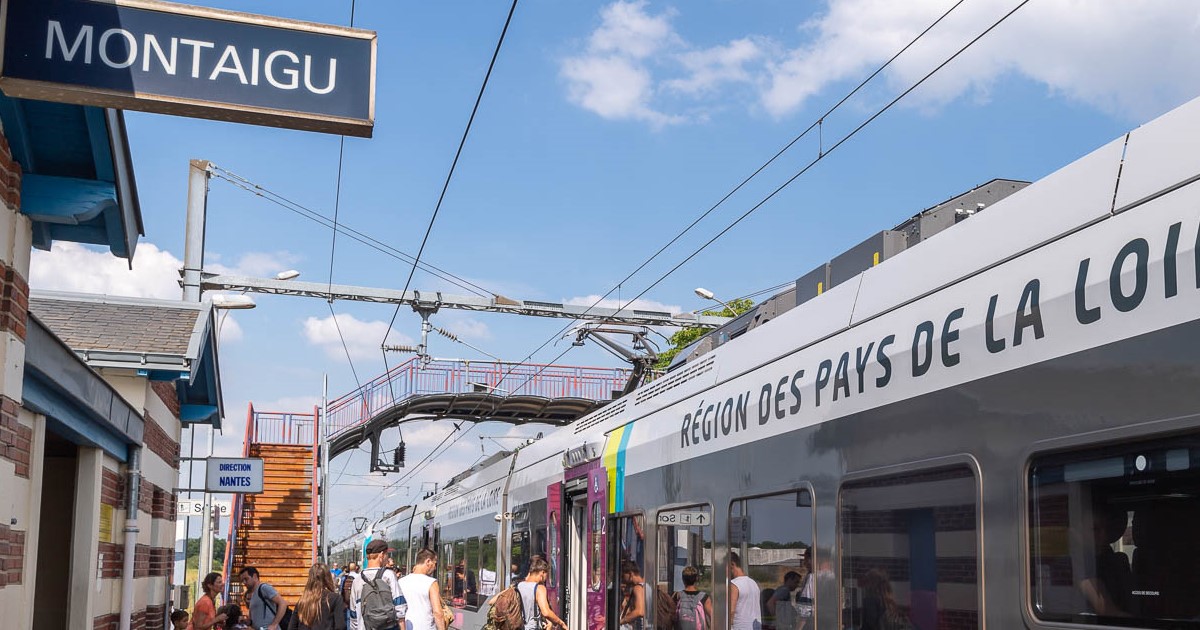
(376, 609)
(270, 605)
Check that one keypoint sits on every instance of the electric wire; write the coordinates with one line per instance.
(345, 347)
(821, 155)
(816, 124)
(833, 148)
(292, 206)
(446, 186)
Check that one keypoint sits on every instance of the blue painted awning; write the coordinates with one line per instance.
(77, 180)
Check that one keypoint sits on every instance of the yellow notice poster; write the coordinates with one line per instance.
(106, 523)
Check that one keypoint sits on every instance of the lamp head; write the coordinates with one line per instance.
(704, 293)
(290, 274)
(232, 302)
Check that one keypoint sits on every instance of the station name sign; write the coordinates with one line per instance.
(190, 61)
(242, 475)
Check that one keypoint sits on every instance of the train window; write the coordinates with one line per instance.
(684, 540)
(488, 578)
(445, 569)
(596, 549)
(412, 553)
(629, 544)
(1111, 535)
(466, 555)
(520, 556)
(771, 545)
(552, 556)
(910, 551)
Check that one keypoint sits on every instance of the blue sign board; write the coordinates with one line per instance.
(191, 61)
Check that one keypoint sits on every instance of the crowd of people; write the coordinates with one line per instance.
(380, 596)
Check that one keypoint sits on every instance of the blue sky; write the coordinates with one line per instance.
(605, 129)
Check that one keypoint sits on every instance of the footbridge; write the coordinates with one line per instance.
(480, 391)
(279, 529)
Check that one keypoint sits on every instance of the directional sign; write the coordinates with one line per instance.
(739, 530)
(239, 476)
(195, 507)
(190, 61)
(684, 518)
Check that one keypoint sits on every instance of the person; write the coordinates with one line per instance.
(744, 606)
(344, 588)
(689, 599)
(1108, 592)
(336, 571)
(179, 619)
(780, 604)
(533, 597)
(265, 604)
(205, 615)
(320, 606)
(879, 608)
(420, 589)
(376, 554)
(233, 616)
(633, 596)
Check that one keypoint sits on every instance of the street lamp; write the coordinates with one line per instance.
(708, 295)
(290, 274)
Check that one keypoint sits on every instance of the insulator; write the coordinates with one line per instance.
(400, 348)
(446, 333)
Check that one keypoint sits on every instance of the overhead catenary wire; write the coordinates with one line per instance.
(446, 184)
(816, 124)
(258, 190)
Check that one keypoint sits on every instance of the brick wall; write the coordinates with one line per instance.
(162, 560)
(112, 489)
(106, 622)
(16, 439)
(141, 561)
(166, 392)
(161, 444)
(14, 301)
(10, 176)
(156, 617)
(162, 504)
(112, 557)
(12, 555)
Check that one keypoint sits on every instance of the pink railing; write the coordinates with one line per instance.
(439, 377)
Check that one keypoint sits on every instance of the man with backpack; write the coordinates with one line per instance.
(376, 600)
(344, 587)
(267, 607)
(693, 607)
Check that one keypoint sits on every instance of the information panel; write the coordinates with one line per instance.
(190, 61)
(236, 475)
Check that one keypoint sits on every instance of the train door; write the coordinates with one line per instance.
(568, 501)
(554, 547)
(597, 519)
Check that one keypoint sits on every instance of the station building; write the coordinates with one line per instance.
(94, 390)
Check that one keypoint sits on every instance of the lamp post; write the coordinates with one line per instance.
(224, 303)
(708, 295)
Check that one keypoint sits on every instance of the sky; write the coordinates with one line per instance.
(605, 129)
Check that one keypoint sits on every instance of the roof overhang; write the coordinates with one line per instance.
(76, 401)
(196, 373)
(77, 180)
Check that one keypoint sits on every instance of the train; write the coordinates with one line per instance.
(995, 426)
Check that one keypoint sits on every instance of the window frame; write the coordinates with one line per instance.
(653, 555)
(910, 468)
(1152, 431)
(728, 546)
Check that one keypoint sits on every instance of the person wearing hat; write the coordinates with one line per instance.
(377, 556)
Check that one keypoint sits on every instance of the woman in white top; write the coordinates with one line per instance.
(422, 594)
(743, 597)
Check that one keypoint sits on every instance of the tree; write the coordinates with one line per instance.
(686, 336)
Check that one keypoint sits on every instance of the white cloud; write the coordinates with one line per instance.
(363, 338)
(74, 267)
(640, 304)
(1133, 58)
(612, 77)
(467, 327)
(255, 264)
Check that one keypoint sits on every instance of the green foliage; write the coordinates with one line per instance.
(686, 336)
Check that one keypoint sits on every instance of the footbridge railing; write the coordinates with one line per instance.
(412, 378)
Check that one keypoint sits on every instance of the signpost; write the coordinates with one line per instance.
(237, 475)
(190, 61)
(684, 518)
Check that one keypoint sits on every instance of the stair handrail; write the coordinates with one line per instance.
(235, 515)
(316, 443)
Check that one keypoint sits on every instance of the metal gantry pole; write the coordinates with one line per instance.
(193, 246)
(204, 566)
